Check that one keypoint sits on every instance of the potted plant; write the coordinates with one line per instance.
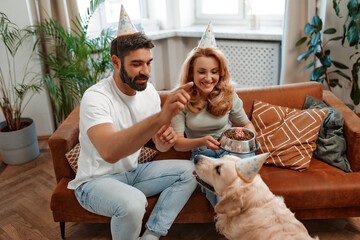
(18, 139)
(75, 61)
(318, 49)
(351, 30)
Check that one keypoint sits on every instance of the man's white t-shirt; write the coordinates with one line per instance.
(105, 103)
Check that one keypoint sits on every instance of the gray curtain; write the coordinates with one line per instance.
(297, 14)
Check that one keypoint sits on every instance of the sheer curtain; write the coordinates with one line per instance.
(297, 14)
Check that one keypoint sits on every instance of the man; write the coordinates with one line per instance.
(118, 116)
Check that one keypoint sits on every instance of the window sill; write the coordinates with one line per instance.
(222, 32)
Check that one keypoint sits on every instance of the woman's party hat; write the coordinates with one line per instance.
(208, 38)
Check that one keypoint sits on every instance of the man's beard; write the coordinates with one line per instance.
(132, 81)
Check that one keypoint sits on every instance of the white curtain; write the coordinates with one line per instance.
(297, 14)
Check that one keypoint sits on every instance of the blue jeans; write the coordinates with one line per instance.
(122, 196)
(213, 198)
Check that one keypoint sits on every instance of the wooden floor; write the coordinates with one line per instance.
(25, 211)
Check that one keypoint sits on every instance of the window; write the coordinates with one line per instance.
(238, 11)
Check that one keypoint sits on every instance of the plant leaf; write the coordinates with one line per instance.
(342, 74)
(336, 38)
(304, 55)
(330, 31)
(326, 61)
(308, 29)
(334, 82)
(353, 7)
(315, 39)
(316, 22)
(300, 41)
(308, 66)
(353, 35)
(318, 72)
(336, 7)
(340, 65)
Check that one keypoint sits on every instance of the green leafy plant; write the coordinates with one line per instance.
(351, 33)
(317, 48)
(12, 90)
(74, 60)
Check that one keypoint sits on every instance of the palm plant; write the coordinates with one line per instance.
(75, 61)
(12, 91)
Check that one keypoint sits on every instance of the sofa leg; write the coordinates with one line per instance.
(62, 230)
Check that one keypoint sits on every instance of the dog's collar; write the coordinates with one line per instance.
(240, 175)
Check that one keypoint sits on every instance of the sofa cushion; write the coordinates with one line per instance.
(288, 134)
(331, 143)
(66, 208)
(146, 155)
(320, 187)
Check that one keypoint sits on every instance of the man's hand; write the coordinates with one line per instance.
(175, 102)
(165, 138)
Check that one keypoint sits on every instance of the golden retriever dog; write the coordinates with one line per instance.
(246, 210)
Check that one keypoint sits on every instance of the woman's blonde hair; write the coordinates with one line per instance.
(221, 97)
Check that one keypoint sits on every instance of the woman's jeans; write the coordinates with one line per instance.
(123, 196)
(213, 198)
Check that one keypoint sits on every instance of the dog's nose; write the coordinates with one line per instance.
(196, 159)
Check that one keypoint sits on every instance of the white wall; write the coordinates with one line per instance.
(39, 107)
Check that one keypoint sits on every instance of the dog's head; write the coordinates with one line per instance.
(216, 174)
(228, 177)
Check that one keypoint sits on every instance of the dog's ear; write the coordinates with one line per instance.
(230, 203)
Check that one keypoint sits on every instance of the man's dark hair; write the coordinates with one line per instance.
(121, 46)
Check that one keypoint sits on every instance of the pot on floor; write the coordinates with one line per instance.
(21, 146)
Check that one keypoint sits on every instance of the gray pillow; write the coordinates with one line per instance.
(331, 143)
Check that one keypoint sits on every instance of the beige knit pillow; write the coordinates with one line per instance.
(146, 155)
(289, 135)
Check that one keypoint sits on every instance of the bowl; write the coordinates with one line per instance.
(239, 140)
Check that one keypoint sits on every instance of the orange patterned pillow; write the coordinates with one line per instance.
(288, 134)
(146, 155)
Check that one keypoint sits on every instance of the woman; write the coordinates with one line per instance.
(213, 101)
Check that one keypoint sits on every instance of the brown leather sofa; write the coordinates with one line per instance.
(320, 192)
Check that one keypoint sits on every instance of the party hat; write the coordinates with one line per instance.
(126, 27)
(247, 168)
(208, 38)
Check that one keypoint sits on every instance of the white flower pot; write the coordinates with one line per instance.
(19, 146)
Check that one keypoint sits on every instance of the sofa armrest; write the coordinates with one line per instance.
(63, 140)
(351, 129)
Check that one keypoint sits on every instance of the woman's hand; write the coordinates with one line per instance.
(210, 142)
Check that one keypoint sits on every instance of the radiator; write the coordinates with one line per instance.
(252, 63)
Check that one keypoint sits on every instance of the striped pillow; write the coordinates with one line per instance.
(289, 135)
